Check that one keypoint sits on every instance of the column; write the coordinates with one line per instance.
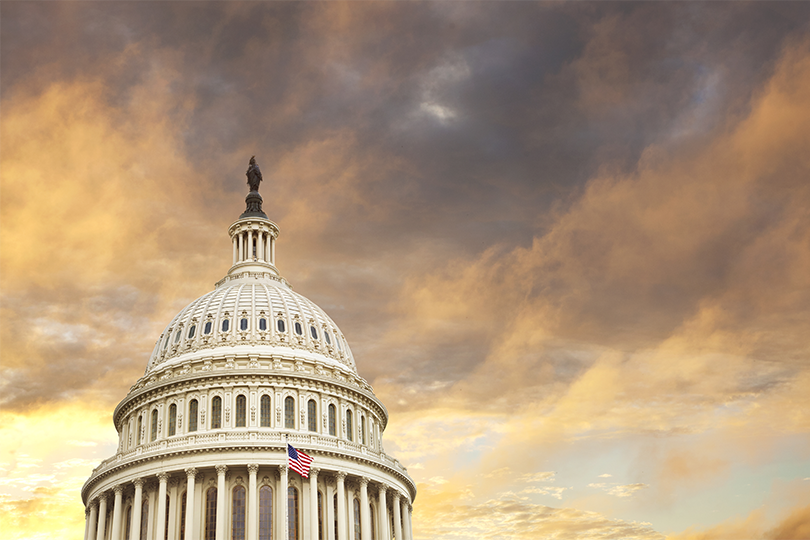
(135, 531)
(397, 516)
(383, 511)
(273, 251)
(281, 497)
(365, 517)
(241, 246)
(190, 474)
(252, 503)
(408, 525)
(268, 237)
(102, 516)
(250, 245)
(259, 245)
(341, 496)
(161, 506)
(86, 522)
(330, 512)
(221, 498)
(313, 502)
(174, 509)
(116, 524)
(91, 525)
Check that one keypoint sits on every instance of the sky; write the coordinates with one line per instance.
(569, 243)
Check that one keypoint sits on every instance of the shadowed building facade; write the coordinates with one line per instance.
(237, 374)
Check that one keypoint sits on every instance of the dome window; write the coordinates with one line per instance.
(326, 335)
(216, 413)
(243, 324)
(207, 328)
(262, 324)
(280, 325)
(298, 329)
(177, 336)
(191, 331)
(337, 340)
(314, 332)
(226, 324)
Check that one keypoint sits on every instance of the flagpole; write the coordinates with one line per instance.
(286, 489)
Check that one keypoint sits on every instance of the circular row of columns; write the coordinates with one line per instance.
(243, 246)
(96, 526)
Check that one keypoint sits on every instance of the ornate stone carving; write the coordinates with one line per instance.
(253, 468)
(221, 469)
(118, 488)
(191, 472)
(163, 477)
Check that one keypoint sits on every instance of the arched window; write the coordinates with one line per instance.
(172, 419)
(289, 412)
(265, 513)
(241, 411)
(192, 415)
(292, 512)
(349, 424)
(356, 507)
(144, 517)
(312, 415)
(363, 429)
(128, 529)
(153, 435)
(138, 436)
(265, 412)
(332, 421)
(216, 412)
(320, 515)
(182, 517)
(238, 514)
(210, 514)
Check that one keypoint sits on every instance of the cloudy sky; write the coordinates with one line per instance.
(568, 242)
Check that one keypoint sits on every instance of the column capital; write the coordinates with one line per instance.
(364, 481)
(191, 472)
(395, 495)
(221, 469)
(340, 476)
(282, 469)
(118, 489)
(382, 488)
(138, 482)
(163, 477)
(313, 471)
(102, 497)
(253, 468)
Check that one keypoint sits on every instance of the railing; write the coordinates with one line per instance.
(250, 437)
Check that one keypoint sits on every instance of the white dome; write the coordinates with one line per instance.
(264, 316)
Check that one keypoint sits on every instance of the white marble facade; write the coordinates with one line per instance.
(202, 435)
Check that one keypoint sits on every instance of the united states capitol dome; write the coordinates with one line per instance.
(236, 376)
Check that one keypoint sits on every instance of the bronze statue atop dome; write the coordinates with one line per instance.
(254, 175)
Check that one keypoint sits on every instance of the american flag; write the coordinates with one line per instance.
(298, 461)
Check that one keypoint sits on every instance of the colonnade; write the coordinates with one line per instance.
(249, 245)
(165, 512)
